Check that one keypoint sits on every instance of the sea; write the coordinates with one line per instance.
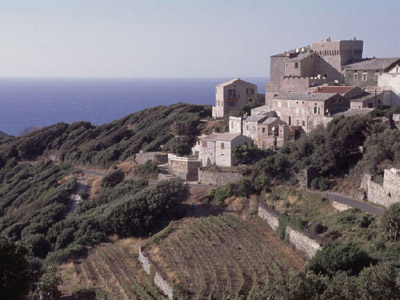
(26, 102)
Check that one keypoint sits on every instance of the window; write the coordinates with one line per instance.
(231, 93)
(340, 100)
(304, 123)
(376, 76)
(318, 110)
(315, 109)
(364, 76)
(279, 104)
(355, 76)
(231, 103)
(222, 146)
(263, 130)
(247, 127)
(249, 91)
(204, 144)
(296, 65)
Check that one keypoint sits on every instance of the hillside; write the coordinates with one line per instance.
(173, 127)
(2, 134)
(221, 257)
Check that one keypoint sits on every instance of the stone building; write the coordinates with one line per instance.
(298, 70)
(231, 95)
(348, 92)
(216, 148)
(367, 100)
(386, 193)
(307, 111)
(366, 72)
(272, 133)
(248, 126)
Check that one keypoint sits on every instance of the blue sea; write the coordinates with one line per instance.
(42, 102)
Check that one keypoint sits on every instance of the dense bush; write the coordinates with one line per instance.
(113, 178)
(380, 282)
(391, 222)
(240, 188)
(248, 154)
(148, 170)
(15, 278)
(334, 257)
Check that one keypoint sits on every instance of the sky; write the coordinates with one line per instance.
(180, 38)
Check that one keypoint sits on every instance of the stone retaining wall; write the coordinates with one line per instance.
(299, 240)
(184, 167)
(163, 285)
(217, 178)
(158, 279)
(302, 242)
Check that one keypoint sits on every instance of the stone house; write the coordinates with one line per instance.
(216, 148)
(390, 84)
(298, 70)
(367, 100)
(366, 72)
(272, 133)
(231, 95)
(307, 111)
(248, 126)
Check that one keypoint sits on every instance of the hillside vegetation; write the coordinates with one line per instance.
(221, 257)
(173, 127)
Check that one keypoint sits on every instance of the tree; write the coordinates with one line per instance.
(47, 287)
(15, 277)
(391, 222)
(379, 282)
(336, 256)
(113, 178)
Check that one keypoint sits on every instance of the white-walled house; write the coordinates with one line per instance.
(216, 148)
(390, 84)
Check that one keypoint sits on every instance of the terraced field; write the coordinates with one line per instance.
(221, 257)
(114, 270)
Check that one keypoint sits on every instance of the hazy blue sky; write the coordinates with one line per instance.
(180, 38)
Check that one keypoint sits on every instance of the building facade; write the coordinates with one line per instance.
(231, 95)
(216, 148)
(366, 73)
(307, 111)
(272, 133)
(390, 84)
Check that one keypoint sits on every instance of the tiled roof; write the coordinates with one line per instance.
(305, 96)
(335, 89)
(269, 120)
(372, 64)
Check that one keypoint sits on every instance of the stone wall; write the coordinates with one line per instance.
(163, 285)
(299, 240)
(183, 167)
(268, 215)
(211, 177)
(385, 194)
(155, 157)
(158, 279)
(302, 242)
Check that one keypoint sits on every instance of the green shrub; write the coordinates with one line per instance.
(113, 178)
(336, 256)
(391, 222)
(149, 169)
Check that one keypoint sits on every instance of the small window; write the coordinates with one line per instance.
(222, 146)
(365, 76)
(279, 104)
(355, 76)
(263, 130)
(340, 100)
(204, 144)
(231, 93)
(296, 65)
(315, 110)
(304, 123)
